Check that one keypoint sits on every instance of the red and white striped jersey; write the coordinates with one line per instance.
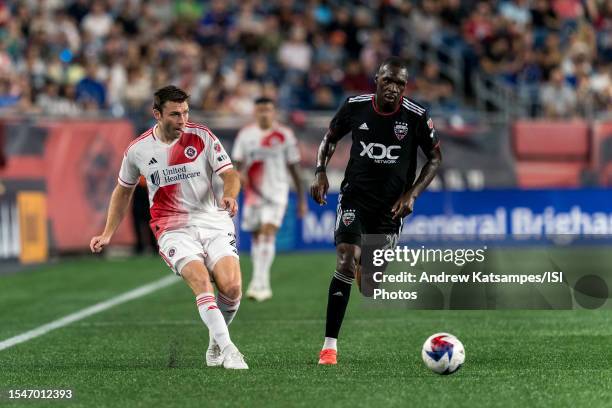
(265, 155)
(179, 176)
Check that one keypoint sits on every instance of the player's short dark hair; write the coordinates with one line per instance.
(168, 93)
(394, 61)
(264, 99)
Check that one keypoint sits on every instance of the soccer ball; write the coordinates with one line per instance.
(443, 353)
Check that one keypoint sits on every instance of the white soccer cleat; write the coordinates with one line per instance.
(250, 293)
(214, 358)
(233, 359)
(259, 294)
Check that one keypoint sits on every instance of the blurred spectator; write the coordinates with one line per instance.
(306, 53)
(90, 91)
(137, 91)
(480, 25)
(558, 97)
(215, 26)
(97, 21)
(8, 95)
(295, 54)
(355, 81)
(54, 101)
(550, 57)
(516, 11)
(425, 22)
(431, 88)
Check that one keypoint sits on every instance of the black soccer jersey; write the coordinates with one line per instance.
(383, 157)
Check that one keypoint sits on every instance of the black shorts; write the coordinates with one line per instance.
(352, 221)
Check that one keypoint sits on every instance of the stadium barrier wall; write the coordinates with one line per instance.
(75, 165)
(513, 216)
(71, 168)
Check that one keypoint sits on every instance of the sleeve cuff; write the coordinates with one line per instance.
(125, 183)
(224, 168)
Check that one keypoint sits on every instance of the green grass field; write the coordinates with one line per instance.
(149, 352)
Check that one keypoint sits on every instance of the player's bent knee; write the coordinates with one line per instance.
(346, 260)
(232, 292)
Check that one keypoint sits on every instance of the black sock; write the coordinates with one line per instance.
(337, 301)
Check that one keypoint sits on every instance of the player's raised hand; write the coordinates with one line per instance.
(230, 205)
(403, 206)
(319, 187)
(98, 243)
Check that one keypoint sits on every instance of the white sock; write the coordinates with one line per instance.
(330, 343)
(228, 308)
(268, 251)
(256, 247)
(213, 319)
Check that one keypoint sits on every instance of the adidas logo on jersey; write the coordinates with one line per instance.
(364, 126)
(152, 161)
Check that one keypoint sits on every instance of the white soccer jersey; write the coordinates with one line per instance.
(179, 176)
(265, 155)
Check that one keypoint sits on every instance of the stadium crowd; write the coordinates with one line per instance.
(62, 57)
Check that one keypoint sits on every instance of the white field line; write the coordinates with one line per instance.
(89, 311)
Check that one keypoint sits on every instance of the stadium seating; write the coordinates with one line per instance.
(551, 141)
(550, 154)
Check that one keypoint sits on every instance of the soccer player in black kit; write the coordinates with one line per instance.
(379, 187)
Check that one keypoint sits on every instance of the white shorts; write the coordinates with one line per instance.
(181, 246)
(254, 216)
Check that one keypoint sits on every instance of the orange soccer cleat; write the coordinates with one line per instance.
(328, 357)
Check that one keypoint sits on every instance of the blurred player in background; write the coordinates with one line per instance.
(195, 233)
(379, 187)
(265, 152)
(141, 217)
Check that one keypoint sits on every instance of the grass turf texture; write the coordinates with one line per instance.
(150, 351)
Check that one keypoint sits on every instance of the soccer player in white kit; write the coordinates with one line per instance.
(265, 152)
(195, 233)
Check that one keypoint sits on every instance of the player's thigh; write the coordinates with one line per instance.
(382, 231)
(349, 224)
(179, 247)
(197, 277)
(251, 218)
(272, 218)
(227, 277)
(219, 245)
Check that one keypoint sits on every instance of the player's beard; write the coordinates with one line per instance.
(172, 132)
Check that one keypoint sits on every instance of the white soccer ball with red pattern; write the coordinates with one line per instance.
(443, 353)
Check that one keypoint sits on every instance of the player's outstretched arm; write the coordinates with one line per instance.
(405, 204)
(320, 185)
(118, 207)
(231, 188)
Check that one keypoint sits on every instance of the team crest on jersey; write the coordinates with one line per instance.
(172, 252)
(217, 147)
(348, 216)
(400, 129)
(191, 152)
